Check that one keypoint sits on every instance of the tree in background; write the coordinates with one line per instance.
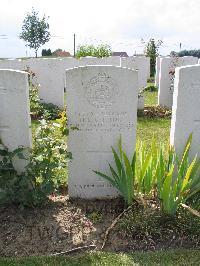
(35, 31)
(195, 53)
(151, 50)
(102, 50)
(46, 52)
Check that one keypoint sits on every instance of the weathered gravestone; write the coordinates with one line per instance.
(14, 112)
(140, 63)
(102, 104)
(166, 77)
(185, 111)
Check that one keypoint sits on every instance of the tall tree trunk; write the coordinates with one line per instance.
(36, 53)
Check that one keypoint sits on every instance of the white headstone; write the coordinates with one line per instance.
(140, 63)
(102, 104)
(166, 77)
(50, 79)
(111, 60)
(15, 112)
(185, 111)
(16, 64)
(157, 71)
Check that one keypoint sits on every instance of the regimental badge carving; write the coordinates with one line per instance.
(101, 91)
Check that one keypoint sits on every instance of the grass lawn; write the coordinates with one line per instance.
(178, 257)
(149, 128)
(150, 98)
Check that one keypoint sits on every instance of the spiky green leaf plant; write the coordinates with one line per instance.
(123, 176)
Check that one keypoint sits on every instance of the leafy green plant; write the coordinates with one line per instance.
(49, 111)
(151, 88)
(12, 185)
(102, 50)
(40, 109)
(44, 174)
(177, 180)
(49, 155)
(146, 168)
(150, 174)
(123, 176)
(35, 106)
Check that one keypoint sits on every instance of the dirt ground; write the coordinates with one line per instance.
(63, 225)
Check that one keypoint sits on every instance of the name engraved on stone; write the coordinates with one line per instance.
(101, 90)
(103, 121)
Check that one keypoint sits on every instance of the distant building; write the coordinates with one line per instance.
(121, 54)
(61, 53)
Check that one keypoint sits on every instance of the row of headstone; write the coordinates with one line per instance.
(50, 73)
(164, 78)
(102, 105)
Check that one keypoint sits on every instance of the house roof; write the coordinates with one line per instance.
(121, 54)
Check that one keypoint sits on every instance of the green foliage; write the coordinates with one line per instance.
(40, 109)
(151, 50)
(49, 111)
(46, 52)
(13, 187)
(151, 174)
(150, 88)
(162, 257)
(45, 172)
(195, 53)
(35, 106)
(122, 178)
(146, 169)
(35, 31)
(102, 50)
(177, 180)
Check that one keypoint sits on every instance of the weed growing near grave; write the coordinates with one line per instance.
(150, 175)
(40, 109)
(13, 187)
(46, 171)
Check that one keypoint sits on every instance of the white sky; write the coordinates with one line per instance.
(120, 24)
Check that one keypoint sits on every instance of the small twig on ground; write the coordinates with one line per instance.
(196, 213)
(74, 250)
(113, 225)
